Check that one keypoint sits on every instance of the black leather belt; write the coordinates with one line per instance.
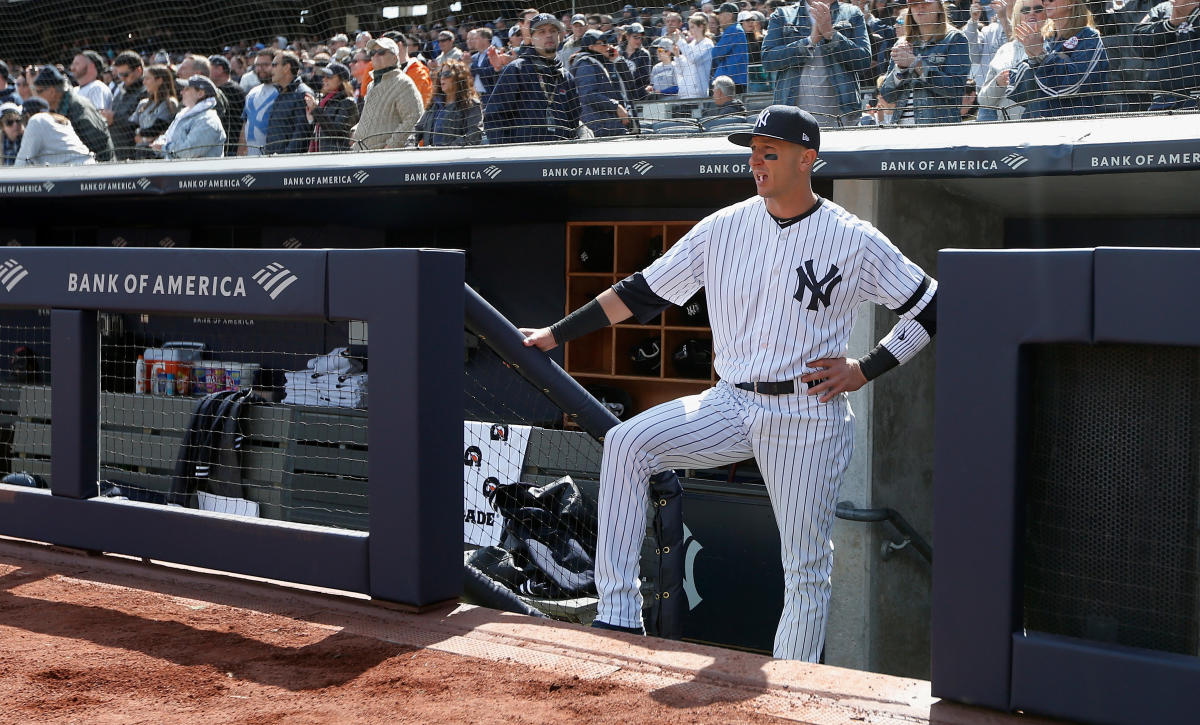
(783, 387)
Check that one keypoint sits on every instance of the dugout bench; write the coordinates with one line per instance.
(301, 464)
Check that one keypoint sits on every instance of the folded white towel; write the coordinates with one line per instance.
(336, 361)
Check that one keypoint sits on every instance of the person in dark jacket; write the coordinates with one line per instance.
(235, 99)
(535, 98)
(8, 89)
(336, 113)
(288, 131)
(603, 98)
(51, 86)
(127, 67)
(639, 61)
(455, 118)
(930, 62)
(1169, 39)
(1065, 72)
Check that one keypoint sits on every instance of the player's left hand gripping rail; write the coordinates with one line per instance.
(666, 615)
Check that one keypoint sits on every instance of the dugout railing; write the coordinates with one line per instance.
(413, 301)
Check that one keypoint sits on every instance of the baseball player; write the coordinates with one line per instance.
(784, 272)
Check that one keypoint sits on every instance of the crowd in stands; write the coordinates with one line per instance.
(543, 78)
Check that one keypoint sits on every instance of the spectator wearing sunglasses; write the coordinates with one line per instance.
(1065, 72)
(393, 104)
(127, 68)
(993, 94)
(10, 118)
(455, 117)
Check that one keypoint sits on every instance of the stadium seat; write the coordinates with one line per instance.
(675, 126)
(736, 119)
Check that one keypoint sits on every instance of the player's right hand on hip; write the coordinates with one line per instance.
(540, 338)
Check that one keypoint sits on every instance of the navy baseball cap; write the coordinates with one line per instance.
(335, 69)
(541, 19)
(786, 123)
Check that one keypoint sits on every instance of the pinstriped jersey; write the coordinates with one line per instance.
(779, 298)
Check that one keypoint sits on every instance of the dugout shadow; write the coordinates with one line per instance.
(330, 661)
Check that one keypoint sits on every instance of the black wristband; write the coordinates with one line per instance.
(589, 318)
(877, 362)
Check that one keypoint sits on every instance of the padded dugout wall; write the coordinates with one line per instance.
(1066, 483)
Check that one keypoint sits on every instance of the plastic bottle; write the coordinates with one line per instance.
(140, 382)
(170, 383)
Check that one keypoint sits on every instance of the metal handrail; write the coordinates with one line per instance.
(848, 512)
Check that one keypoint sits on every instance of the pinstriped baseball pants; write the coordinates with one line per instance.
(802, 447)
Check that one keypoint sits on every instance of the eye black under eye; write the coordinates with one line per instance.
(771, 157)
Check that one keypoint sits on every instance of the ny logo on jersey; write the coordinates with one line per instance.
(820, 288)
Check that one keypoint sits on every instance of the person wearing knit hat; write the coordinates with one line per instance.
(196, 132)
(51, 86)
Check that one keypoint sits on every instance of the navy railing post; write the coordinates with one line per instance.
(413, 303)
(75, 397)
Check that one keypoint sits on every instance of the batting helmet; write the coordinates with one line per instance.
(647, 356)
(693, 358)
(595, 249)
(619, 402)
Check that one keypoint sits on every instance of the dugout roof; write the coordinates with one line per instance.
(1001, 150)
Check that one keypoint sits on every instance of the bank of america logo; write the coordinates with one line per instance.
(1015, 161)
(143, 183)
(274, 278)
(120, 242)
(248, 180)
(642, 167)
(48, 186)
(291, 243)
(11, 272)
(360, 176)
(492, 171)
(818, 165)
(166, 242)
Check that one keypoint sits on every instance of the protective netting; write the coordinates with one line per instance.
(473, 72)
(25, 397)
(529, 491)
(236, 415)
(1111, 533)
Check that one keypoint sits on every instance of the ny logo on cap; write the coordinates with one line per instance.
(762, 118)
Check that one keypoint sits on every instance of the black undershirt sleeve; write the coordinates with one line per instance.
(928, 316)
(877, 362)
(639, 298)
